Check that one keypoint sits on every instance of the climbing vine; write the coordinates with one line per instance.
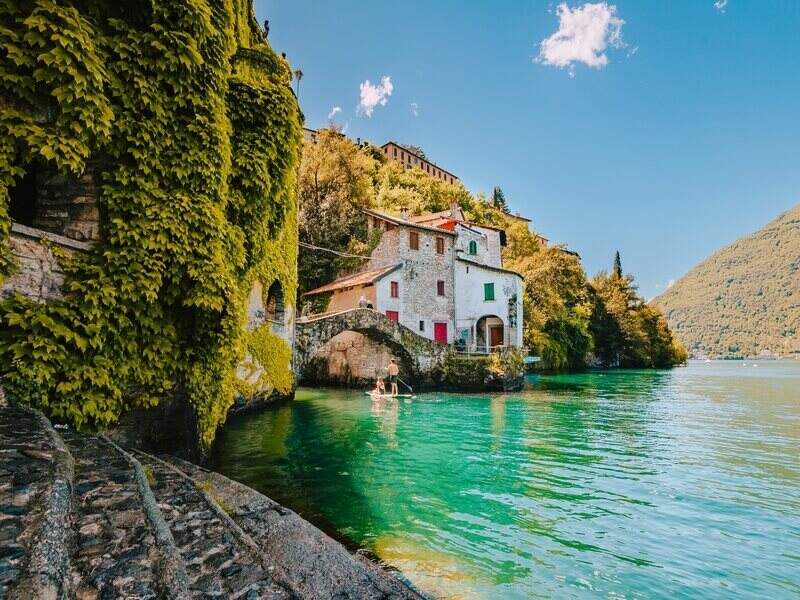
(187, 113)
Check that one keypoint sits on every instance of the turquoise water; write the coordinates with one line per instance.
(639, 484)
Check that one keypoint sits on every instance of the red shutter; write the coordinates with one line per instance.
(393, 315)
(440, 288)
(440, 332)
(394, 289)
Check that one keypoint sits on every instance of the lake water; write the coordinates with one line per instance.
(637, 484)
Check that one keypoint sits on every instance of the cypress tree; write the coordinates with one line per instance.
(617, 270)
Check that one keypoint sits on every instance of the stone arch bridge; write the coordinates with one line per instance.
(418, 356)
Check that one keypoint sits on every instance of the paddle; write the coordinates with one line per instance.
(410, 389)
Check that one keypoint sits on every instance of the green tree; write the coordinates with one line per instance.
(336, 181)
(617, 269)
(627, 331)
(499, 199)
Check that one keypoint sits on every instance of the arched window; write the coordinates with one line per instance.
(274, 308)
(473, 247)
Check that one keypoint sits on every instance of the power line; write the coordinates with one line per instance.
(336, 252)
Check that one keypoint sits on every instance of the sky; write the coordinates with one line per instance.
(664, 129)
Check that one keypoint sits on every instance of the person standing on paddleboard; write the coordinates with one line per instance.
(393, 371)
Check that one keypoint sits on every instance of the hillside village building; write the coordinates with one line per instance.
(409, 159)
(440, 276)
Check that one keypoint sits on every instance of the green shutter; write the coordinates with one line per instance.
(488, 291)
(473, 247)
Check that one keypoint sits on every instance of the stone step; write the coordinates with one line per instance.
(304, 559)
(221, 560)
(82, 518)
(122, 549)
(35, 496)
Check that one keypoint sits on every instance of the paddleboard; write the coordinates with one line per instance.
(381, 396)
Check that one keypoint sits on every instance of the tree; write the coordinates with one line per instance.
(499, 199)
(627, 331)
(336, 181)
(617, 270)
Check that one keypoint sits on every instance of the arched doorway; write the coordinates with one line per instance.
(490, 334)
(274, 309)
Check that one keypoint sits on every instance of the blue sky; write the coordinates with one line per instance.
(688, 138)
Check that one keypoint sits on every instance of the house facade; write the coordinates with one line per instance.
(440, 276)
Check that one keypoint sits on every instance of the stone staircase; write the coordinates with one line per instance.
(82, 518)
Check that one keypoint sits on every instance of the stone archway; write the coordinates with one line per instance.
(274, 309)
(418, 356)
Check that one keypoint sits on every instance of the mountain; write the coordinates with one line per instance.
(745, 298)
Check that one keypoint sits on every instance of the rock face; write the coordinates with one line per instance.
(87, 520)
(745, 298)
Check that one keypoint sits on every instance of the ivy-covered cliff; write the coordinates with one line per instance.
(186, 116)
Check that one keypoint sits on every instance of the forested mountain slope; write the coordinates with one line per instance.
(743, 299)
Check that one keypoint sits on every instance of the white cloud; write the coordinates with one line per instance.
(415, 109)
(374, 95)
(720, 5)
(334, 111)
(584, 33)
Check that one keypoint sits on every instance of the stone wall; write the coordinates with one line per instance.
(38, 275)
(67, 205)
(418, 357)
(417, 278)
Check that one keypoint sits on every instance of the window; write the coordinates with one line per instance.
(473, 247)
(422, 325)
(488, 291)
(394, 289)
(439, 245)
(395, 152)
(22, 199)
(440, 288)
(413, 240)
(393, 315)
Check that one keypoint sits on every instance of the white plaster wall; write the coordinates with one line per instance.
(470, 305)
(489, 248)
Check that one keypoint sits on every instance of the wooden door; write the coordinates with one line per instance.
(393, 315)
(440, 332)
(495, 335)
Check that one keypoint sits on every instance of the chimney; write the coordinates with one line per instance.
(455, 210)
(404, 213)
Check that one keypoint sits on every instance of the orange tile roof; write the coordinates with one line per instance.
(400, 221)
(357, 279)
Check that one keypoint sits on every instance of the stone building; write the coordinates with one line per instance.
(409, 159)
(440, 276)
(488, 298)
